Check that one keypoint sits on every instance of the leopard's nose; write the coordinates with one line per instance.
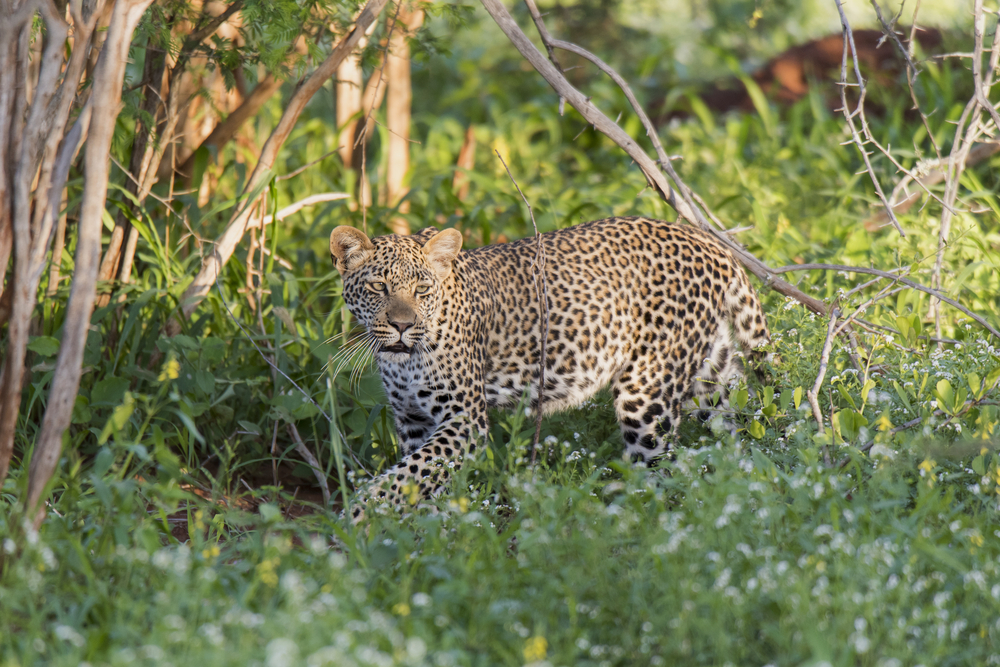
(402, 325)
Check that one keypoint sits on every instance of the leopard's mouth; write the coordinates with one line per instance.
(398, 348)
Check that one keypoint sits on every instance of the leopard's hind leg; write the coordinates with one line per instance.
(650, 392)
(723, 364)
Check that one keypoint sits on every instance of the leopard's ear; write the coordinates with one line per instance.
(441, 250)
(349, 248)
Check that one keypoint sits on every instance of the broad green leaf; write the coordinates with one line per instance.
(768, 396)
(797, 396)
(119, 417)
(109, 391)
(975, 384)
(756, 429)
(869, 385)
(740, 398)
(47, 346)
(945, 394)
(249, 427)
(846, 396)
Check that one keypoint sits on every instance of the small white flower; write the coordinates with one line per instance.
(282, 652)
(68, 634)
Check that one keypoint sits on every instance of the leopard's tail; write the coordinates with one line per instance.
(747, 317)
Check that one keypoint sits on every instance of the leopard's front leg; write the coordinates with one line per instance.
(425, 471)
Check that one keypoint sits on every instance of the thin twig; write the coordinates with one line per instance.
(859, 111)
(947, 341)
(824, 360)
(911, 75)
(298, 171)
(542, 290)
(906, 281)
(886, 291)
(310, 458)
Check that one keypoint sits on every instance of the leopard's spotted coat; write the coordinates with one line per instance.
(648, 306)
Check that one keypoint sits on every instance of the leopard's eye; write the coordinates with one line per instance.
(377, 286)
(423, 289)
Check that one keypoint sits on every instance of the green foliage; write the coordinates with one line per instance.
(168, 538)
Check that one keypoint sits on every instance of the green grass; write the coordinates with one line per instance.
(167, 540)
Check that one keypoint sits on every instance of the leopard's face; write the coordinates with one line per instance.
(395, 287)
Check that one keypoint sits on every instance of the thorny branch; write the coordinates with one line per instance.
(542, 290)
(859, 112)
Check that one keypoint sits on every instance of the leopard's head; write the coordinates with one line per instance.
(394, 285)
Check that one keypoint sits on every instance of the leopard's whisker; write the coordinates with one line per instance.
(352, 357)
(349, 350)
(359, 368)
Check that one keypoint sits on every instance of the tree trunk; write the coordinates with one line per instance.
(398, 106)
(349, 89)
(106, 97)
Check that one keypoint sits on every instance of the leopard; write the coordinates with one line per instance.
(660, 311)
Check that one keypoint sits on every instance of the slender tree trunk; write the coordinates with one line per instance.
(106, 97)
(465, 163)
(398, 108)
(350, 85)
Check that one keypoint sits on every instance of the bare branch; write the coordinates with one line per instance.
(885, 274)
(824, 360)
(979, 26)
(649, 167)
(311, 460)
(859, 111)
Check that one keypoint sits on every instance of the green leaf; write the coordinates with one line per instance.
(760, 104)
(768, 396)
(47, 346)
(270, 512)
(756, 429)
(190, 426)
(119, 417)
(109, 391)
(975, 384)
(205, 382)
(105, 457)
(979, 465)
(869, 385)
(81, 411)
(797, 396)
(186, 341)
(850, 422)
(991, 379)
(945, 394)
(847, 397)
(902, 395)
(249, 427)
(740, 398)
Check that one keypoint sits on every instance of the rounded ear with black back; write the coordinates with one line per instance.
(441, 251)
(349, 248)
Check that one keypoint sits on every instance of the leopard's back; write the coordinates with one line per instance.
(636, 302)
